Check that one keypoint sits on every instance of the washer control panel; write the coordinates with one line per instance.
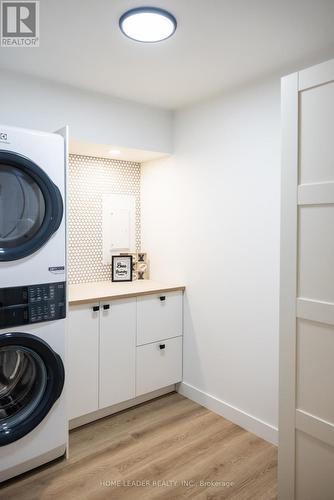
(32, 304)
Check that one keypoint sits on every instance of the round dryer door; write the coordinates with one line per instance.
(31, 381)
(31, 207)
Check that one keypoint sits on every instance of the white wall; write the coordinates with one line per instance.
(92, 117)
(210, 218)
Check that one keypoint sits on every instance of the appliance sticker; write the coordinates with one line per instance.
(57, 269)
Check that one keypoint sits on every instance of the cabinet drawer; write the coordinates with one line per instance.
(156, 367)
(159, 317)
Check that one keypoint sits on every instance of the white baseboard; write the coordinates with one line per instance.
(235, 415)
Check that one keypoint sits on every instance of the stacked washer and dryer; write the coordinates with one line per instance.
(33, 423)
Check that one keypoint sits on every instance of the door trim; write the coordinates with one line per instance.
(288, 288)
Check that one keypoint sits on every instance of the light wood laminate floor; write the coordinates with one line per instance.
(170, 448)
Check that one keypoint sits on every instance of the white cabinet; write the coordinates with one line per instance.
(159, 317)
(83, 368)
(159, 341)
(123, 348)
(102, 350)
(117, 352)
(158, 364)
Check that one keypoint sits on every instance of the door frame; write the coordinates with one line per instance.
(288, 287)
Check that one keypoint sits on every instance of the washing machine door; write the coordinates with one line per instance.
(31, 381)
(31, 207)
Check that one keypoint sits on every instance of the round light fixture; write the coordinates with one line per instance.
(147, 24)
(114, 152)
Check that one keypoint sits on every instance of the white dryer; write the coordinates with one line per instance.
(33, 420)
(32, 192)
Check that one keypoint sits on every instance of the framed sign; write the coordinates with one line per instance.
(121, 268)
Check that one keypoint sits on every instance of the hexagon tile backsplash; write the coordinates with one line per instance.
(89, 179)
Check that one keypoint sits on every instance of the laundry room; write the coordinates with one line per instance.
(166, 257)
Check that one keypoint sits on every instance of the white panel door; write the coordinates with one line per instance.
(159, 317)
(306, 427)
(83, 357)
(117, 351)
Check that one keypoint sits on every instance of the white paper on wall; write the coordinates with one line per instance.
(118, 225)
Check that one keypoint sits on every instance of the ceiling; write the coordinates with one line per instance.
(219, 44)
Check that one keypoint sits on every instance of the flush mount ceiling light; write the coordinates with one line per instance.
(114, 152)
(147, 24)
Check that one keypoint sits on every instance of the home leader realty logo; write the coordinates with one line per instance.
(20, 23)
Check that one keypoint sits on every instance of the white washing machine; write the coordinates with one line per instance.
(33, 420)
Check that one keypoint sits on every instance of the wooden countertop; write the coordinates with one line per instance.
(106, 290)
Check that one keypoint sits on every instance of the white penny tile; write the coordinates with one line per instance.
(89, 179)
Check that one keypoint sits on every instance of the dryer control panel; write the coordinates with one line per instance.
(32, 304)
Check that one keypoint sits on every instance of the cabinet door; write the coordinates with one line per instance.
(159, 317)
(117, 351)
(158, 365)
(83, 355)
